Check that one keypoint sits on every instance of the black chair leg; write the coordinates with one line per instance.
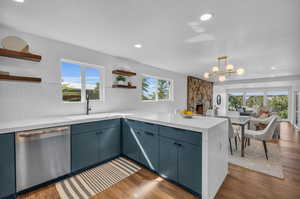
(266, 150)
(235, 140)
(230, 146)
(248, 141)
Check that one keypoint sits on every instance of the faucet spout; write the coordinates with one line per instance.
(88, 108)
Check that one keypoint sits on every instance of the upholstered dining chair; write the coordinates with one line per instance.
(232, 133)
(263, 135)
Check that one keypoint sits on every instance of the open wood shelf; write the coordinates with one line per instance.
(20, 78)
(123, 72)
(20, 55)
(122, 86)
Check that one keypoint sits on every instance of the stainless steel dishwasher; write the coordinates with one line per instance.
(42, 155)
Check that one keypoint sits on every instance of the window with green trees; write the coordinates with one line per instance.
(78, 81)
(235, 101)
(254, 100)
(155, 89)
(278, 102)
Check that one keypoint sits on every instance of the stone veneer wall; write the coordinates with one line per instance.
(198, 91)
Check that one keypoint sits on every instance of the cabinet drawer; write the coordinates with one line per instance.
(95, 126)
(181, 135)
(143, 126)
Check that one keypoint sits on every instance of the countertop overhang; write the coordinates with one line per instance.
(197, 123)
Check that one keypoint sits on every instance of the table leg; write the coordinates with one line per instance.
(243, 140)
(248, 129)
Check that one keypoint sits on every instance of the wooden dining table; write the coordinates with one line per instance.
(241, 121)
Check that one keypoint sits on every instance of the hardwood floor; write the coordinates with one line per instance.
(240, 183)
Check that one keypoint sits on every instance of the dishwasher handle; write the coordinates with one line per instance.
(41, 133)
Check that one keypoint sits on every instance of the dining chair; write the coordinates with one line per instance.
(263, 135)
(232, 133)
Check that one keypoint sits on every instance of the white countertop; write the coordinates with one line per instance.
(197, 123)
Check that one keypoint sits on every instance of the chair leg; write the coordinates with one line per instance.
(248, 141)
(266, 150)
(235, 140)
(230, 146)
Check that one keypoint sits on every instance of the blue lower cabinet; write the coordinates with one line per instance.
(130, 141)
(84, 150)
(7, 165)
(109, 145)
(149, 149)
(168, 159)
(190, 166)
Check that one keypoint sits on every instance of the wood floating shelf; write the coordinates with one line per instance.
(20, 78)
(20, 55)
(123, 86)
(123, 72)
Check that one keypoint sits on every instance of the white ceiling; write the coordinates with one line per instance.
(255, 34)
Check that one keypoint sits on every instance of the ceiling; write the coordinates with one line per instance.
(257, 35)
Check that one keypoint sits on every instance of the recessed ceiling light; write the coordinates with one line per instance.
(19, 1)
(273, 68)
(138, 45)
(206, 17)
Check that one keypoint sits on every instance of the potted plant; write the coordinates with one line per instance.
(120, 80)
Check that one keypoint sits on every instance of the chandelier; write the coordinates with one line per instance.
(218, 73)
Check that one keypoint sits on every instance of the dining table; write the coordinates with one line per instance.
(243, 122)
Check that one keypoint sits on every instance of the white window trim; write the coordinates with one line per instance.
(171, 92)
(82, 77)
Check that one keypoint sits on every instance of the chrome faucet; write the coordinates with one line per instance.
(88, 108)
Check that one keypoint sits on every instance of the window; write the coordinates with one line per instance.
(254, 100)
(156, 89)
(278, 102)
(235, 101)
(80, 80)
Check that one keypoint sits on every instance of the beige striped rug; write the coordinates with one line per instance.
(95, 180)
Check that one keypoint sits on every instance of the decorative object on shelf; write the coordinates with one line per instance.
(129, 83)
(15, 47)
(15, 43)
(121, 80)
(219, 100)
(218, 73)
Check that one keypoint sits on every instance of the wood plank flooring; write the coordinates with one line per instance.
(240, 183)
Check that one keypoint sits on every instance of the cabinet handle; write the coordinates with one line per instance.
(177, 144)
(149, 133)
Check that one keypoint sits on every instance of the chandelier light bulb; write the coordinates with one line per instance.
(206, 75)
(222, 78)
(240, 71)
(215, 69)
(229, 67)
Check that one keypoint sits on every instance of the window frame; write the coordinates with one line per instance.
(82, 66)
(171, 96)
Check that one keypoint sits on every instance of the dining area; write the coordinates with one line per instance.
(253, 142)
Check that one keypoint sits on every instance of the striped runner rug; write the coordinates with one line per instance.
(95, 180)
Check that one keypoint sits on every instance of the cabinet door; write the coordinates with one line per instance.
(168, 157)
(109, 143)
(130, 141)
(190, 166)
(7, 165)
(84, 150)
(149, 150)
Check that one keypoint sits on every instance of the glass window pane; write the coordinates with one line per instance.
(163, 89)
(235, 101)
(92, 85)
(149, 88)
(254, 100)
(71, 82)
(278, 102)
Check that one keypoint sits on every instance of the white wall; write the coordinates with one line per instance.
(293, 85)
(23, 100)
